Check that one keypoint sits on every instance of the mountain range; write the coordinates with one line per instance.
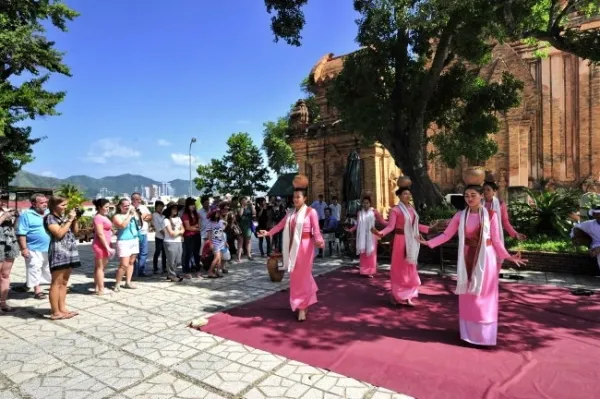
(91, 186)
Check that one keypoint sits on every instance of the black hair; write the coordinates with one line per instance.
(167, 210)
(158, 203)
(474, 187)
(304, 191)
(401, 190)
(193, 216)
(204, 198)
(100, 202)
(491, 185)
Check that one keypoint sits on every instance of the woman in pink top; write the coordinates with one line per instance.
(366, 242)
(492, 203)
(404, 222)
(300, 235)
(101, 243)
(479, 249)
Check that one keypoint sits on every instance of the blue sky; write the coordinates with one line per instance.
(147, 77)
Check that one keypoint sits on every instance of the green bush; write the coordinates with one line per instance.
(439, 212)
(549, 213)
(545, 243)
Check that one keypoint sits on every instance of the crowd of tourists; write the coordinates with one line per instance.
(190, 242)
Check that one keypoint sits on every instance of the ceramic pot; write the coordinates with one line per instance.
(474, 176)
(273, 263)
(404, 181)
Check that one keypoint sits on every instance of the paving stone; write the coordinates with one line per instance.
(301, 372)
(247, 355)
(160, 350)
(175, 312)
(345, 387)
(115, 334)
(66, 383)
(7, 393)
(191, 337)
(150, 322)
(113, 311)
(72, 348)
(277, 387)
(382, 393)
(116, 369)
(233, 378)
(167, 386)
(201, 366)
(41, 330)
(23, 362)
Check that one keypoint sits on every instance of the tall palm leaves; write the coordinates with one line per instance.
(73, 194)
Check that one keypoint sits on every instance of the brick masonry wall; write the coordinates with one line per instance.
(540, 261)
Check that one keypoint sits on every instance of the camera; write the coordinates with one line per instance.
(79, 212)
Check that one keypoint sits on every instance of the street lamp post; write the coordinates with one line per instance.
(192, 141)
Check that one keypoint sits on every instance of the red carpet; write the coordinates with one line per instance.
(549, 340)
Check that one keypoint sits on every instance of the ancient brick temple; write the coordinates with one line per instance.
(322, 148)
(553, 135)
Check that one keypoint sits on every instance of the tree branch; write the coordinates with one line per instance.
(441, 53)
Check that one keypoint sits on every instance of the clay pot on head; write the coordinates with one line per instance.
(273, 264)
(404, 181)
(490, 177)
(474, 176)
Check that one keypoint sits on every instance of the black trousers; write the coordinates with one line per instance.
(192, 246)
(159, 250)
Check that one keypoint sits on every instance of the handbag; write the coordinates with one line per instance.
(226, 254)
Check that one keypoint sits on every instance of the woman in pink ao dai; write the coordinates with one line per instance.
(404, 221)
(366, 242)
(300, 235)
(479, 250)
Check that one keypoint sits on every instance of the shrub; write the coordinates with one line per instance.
(545, 243)
(547, 213)
(440, 212)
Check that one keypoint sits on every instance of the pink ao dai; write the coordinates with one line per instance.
(478, 315)
(303, 288)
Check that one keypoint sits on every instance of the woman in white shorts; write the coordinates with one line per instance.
(128, 243)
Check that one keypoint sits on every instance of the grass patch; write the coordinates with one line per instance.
(545, 244)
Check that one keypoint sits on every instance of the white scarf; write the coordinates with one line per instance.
(291, 251)
(411, 235)
(498, 209)
(463, 285)
(364, 237)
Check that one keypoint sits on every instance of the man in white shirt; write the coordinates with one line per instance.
(142, 218)
(336, 209)
(320, 206)
(592, 229)
(159, 237)
(203, 215)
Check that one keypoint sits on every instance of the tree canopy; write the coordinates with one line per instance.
(27, 57)
(419, 64)
(241, 171)
(280, 156)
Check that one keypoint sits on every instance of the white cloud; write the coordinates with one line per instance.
(243, 122)
(48, 173)
(163, 143)
(184, 159)
(105, 149)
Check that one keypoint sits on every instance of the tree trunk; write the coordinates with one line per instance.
(413, 164)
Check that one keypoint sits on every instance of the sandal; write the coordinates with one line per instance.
(7, 309)
(40, 296)
(57, 317)
(130, 287)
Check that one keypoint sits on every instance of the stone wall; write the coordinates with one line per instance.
(323, 157)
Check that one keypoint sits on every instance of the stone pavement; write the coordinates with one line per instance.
(135, 344)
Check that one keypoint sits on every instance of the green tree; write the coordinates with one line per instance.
(26, 52)
(280, 156)
(75, 197)
(241, 171)
(419, 64)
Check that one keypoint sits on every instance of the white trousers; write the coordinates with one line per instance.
(37, 268)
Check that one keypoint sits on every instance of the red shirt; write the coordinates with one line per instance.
(196, 222)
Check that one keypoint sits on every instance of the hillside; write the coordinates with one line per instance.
(91, 186)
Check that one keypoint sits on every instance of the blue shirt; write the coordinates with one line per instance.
(31, 225)
(130, 232)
